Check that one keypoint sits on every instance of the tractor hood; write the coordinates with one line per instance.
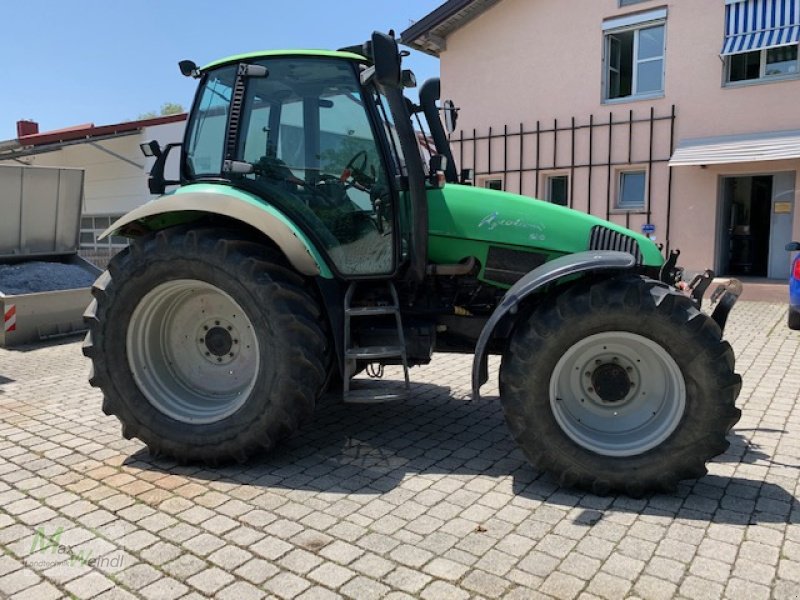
(470, 214)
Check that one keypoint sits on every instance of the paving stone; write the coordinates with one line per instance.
(241, 590)
(164, 589)
(653, 588)
(318, 593)
(562, 586)
(341, 552)
(184, 567)
(363, 588)
(286, 585)
(90, 585)
(256, 570)
(695, 587)
(40, 591)
(331, 575)
(229, 557)
(609, 586)
(210, 580)
(300, 561)
(160, 553)
(271, 548)
(138, 576)
(18, 581)
(485, 584)
(445, 569)
(372, 565)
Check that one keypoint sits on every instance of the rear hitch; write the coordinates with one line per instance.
(725, 296)
(699, 284)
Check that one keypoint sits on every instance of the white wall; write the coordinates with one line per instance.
(116, 171)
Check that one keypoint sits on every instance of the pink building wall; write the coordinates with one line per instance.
(528, 60)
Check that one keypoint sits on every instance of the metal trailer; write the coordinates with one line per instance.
(40, 216)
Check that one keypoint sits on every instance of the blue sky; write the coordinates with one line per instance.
(103, 61)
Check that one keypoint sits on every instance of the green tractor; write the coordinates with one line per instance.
(309, 239)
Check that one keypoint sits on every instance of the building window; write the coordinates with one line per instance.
(634, 55)
(761, 40)
(492, 183)
(772, 63)
(558, 189)
(629, 2)
(93, 227)
(632, 185)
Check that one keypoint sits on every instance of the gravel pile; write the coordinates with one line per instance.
(37, 276)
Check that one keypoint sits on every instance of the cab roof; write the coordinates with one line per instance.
(274, 53)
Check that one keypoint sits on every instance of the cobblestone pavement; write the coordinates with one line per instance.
(426, 498)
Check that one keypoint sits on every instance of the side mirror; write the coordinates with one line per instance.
(189, 69)
(793, 246)
(150, 149)
(156, 182)
(386, 57)
(409, 79)
(450, 116)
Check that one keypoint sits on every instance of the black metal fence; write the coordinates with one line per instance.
(589, 152)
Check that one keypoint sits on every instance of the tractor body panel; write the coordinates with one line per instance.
(467, 221)
(194, 201)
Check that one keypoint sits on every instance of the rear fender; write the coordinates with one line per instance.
(240, 206)
(571, 264)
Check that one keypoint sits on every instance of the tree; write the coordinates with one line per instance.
(168, 108)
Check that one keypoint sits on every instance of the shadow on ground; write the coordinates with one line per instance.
(370, 449)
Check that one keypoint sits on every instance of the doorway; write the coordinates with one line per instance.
(756, 223)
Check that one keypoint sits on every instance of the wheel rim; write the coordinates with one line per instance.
(192, 351)
(617, 393)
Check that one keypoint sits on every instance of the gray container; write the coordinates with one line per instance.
(40, 222)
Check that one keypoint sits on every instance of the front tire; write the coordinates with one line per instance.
(793, 319)
(619, 385)
(206, 345)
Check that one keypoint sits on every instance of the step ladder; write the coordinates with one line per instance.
(355, 353)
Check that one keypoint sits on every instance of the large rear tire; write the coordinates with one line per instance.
(619, 385)
(206, 345)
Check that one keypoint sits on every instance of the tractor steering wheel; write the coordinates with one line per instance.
(357, 173)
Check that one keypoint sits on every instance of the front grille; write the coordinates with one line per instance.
(603, 238)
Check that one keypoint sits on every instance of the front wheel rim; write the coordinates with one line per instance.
(617, 394)
(193, 351)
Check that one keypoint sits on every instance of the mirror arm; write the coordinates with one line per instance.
(429, 94)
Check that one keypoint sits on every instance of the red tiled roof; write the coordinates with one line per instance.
(90, 130)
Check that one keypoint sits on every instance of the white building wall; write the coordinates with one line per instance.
(116, 171)
(115, 180)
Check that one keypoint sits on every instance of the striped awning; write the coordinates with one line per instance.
(742, 148)
(759, 24)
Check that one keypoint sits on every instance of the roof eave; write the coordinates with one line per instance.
(429, 34)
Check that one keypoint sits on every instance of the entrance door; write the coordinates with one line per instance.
(757, 224)
(781, 226)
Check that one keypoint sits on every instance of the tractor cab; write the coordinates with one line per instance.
(324, 137)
